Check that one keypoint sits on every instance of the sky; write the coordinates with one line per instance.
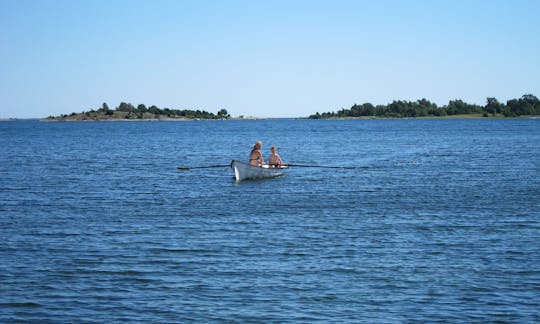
(289, 58)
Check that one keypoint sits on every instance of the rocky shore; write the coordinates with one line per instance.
(114, 116)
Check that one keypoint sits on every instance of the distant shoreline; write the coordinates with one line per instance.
(161, 119)
(462, 116)
(54, 120)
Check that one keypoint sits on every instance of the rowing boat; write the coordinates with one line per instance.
(245, 171)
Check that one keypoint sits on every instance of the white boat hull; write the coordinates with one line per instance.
(245, 171)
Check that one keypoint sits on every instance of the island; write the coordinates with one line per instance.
(126, 111)
(527, 105)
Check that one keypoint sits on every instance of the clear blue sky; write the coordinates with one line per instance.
(286, 58)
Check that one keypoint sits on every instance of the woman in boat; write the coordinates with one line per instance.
(256, 157)
(274, 160)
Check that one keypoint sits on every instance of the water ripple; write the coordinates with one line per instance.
(441, 223)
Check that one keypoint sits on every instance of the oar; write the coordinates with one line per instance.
(320, 166)
(204, 167)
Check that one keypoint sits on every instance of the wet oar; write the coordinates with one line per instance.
(204, 167)
(319, 166)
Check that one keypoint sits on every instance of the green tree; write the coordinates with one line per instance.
(493, 106)
(126, 107)
(104, 108)
(154, 110)
(223, 113)
(533, 104)
(526, 105)
(142, 108)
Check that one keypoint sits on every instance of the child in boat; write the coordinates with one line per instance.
(274, 160)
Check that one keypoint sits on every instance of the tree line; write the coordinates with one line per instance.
(141, 110)
(526, 105)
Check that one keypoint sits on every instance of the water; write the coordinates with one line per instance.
(441, 222)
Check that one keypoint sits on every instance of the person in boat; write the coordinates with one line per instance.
(274, 160)
(256, 157)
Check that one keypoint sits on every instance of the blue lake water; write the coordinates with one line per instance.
(440, 223)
